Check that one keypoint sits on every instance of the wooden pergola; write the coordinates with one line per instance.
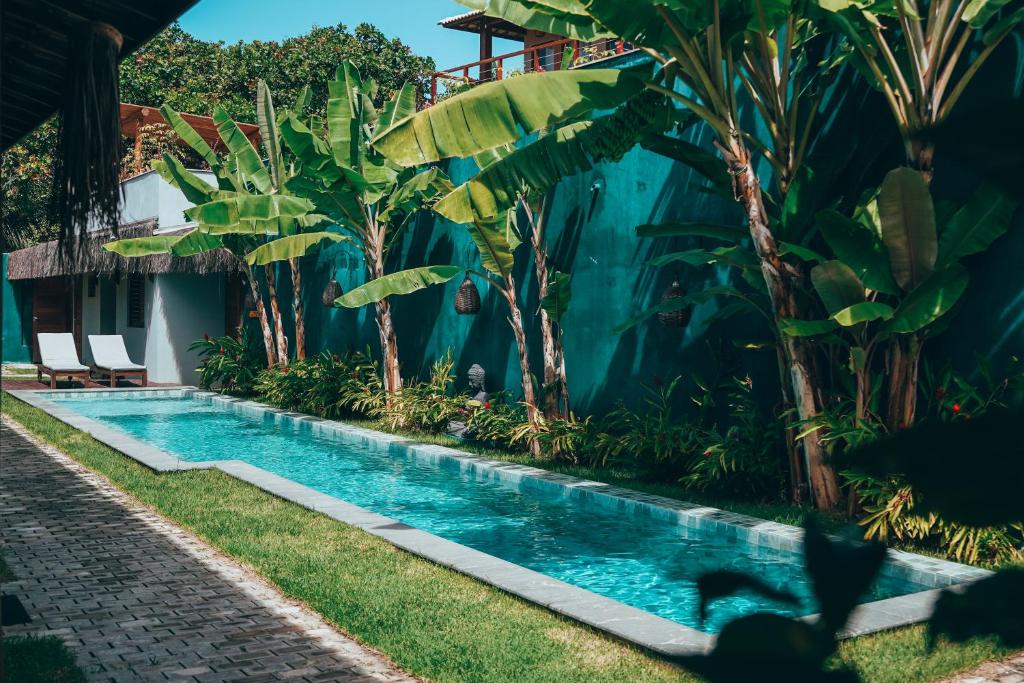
(135, 116)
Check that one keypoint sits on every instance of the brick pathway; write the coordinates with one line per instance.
(1007, 671)
(138, 598)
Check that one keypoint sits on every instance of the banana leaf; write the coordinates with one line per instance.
(571, 23)
(292, 246)
(907, 217)
(402, 282)
(865, 311)
(401, 105)
(245, 209)
(188, 244)
(500, 112)
(493, 245)
(931, 299)
(858, 247)
(977, 224)
(556, 301)
(249, 165)
(806, 328)
(195, 189)
(268, 132)
(837, 285)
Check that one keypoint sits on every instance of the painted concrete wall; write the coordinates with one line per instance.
(16, 317)
(180, 308)
(148, 196)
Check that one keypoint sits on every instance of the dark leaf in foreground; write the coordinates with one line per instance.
(722, 584)
(841, 572)
(991, 606)
(768, 647)
(969, 471)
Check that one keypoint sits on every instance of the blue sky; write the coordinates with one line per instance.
(412, 21)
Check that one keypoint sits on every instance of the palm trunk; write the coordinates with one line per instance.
(300, 323)
(778, 275)
(261, 311)
(515, 319)
(553, 378)
(275, 310)
(388, 338)
(796, 479)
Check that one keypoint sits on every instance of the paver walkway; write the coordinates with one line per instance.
(1007, 671)
(139, 599)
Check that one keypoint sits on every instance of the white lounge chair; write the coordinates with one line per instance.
(59, 358)
(109, 356)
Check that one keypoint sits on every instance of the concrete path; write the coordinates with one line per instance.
(139, 599)
(1007, 671)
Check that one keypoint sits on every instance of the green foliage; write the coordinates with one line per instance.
(426, 406)
(230, 363)
(39, 659)
(326, 385)
(395, 284)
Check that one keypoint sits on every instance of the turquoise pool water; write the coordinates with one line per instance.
(642, 561)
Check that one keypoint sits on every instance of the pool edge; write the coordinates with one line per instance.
(628, 623)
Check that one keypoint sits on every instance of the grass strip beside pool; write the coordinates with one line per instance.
(431, 621)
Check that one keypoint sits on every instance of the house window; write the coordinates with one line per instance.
(136, 300)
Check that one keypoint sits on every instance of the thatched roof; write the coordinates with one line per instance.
(45, 260)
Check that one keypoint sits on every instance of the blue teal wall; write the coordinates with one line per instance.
(15, 309)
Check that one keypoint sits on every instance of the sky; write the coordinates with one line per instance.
(414, 22)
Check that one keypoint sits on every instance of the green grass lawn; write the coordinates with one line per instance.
(35, 659)
(431, 621)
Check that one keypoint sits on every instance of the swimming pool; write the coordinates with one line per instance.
(637, 552)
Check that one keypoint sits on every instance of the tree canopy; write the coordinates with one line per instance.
(194, 75)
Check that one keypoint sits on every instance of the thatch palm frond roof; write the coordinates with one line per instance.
(45, 260)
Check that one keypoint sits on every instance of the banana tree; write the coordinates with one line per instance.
(921, 56)
(242, 212)
(369, 195)
(518, 179)
(252, 200)
(897, 271)
(722, 53)
(496, 243)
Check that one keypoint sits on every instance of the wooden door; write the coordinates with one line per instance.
(54, 307)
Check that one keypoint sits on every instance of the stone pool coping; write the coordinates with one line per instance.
(623, 621)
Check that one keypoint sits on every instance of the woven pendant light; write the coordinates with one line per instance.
(467, 299)
(677, 318)
(331, 292)
(248, 303)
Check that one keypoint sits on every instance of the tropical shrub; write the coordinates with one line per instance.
(326, 385)
(744, 456)
(230, 363)
(890, 504)
(426, 406)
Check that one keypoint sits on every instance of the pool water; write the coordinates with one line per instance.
(649, 563)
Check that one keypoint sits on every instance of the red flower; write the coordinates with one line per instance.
(940, 392)
(487, 405)
(222, 350)
(707, 453)
(956, 407)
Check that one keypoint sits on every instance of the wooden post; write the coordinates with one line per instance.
(486, 51)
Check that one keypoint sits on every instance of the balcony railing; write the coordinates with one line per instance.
(543, 57)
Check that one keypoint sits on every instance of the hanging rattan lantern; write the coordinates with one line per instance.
(467, 299)
(331, 292)
(248, 303)
(677, 318)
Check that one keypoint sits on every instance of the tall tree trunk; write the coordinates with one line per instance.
(904, 356)
(778, 277)
(300, 321)
(553, 378)
(515, 319)
(388, 338)
(261, 311)
(796, 478)
(275, 310)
